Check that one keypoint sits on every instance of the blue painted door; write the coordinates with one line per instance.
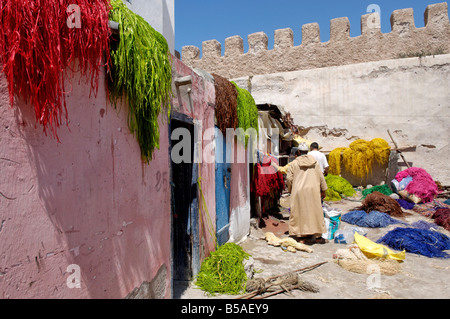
(223, 180)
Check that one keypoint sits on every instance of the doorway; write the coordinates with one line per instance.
(184, 198)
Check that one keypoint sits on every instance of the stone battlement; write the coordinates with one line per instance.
(372, 45)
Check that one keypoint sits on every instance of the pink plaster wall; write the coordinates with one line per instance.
(203, 99)
(88, 200)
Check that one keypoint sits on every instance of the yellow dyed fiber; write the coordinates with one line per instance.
(334, 161)
(358, 159)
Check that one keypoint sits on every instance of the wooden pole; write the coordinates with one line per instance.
(398, 151)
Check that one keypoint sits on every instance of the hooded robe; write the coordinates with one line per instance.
(305, 181)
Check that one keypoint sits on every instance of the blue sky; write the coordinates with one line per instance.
(200, 20)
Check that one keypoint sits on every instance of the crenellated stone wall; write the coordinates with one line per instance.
(372, 45)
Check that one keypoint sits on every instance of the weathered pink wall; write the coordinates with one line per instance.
(239, 195)
(203, 99)
(88, 200)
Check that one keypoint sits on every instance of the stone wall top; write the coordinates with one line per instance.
(372, 45)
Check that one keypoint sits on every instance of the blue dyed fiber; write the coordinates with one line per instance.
(421, 224)
(417, 241)
(374, 219)
(405, 204)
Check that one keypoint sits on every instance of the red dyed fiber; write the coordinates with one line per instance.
(37, 47)
(422, 184)
(267, 181)
(442, 218)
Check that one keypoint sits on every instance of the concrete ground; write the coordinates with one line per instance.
(420, 277)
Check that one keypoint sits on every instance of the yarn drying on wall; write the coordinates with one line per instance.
(422, 184)
(418, 241)
(358, 159)
(141, 72)
(382, 203)
(374, 219)
(247, 113)
(38, 48)
(226, 103)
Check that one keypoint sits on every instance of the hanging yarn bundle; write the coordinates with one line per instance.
(358, 159)
(247, 113)
(382, 203)
(418, 241)
(422, 184)
(40, 40)
(338, 187)
(335, 160)
(141, 72)
(226, 103)
(267, 181)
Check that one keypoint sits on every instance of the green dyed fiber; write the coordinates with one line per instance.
(141, 72)
(247, 112)
(383, 189)
(223, 271)
(338, 187)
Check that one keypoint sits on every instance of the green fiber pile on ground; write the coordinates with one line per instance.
(383, 189)
(338, 187)
(223, 272)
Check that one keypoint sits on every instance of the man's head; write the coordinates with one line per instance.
(302, 149)
(314, 146)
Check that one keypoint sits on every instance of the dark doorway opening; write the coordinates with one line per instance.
(183, 194)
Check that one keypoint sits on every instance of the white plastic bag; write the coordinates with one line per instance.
(347, 234)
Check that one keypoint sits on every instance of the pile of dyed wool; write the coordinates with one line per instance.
(383, 189)
(382, 203)
(223, 271)
(338, 187)
(442, 218)
(374, 219)
(405, 204)
(422, 184)
(418, 241)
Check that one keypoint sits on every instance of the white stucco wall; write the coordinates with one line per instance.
(160, 14)
(337, 105)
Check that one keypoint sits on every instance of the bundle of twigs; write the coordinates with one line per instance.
(261, 288)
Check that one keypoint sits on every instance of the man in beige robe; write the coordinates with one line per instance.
(307, 186)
